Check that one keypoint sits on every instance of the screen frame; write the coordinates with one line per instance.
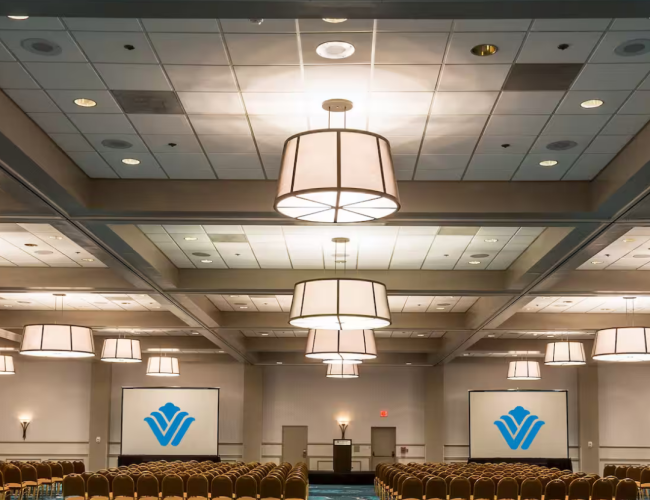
(218, 389)
(469, 413)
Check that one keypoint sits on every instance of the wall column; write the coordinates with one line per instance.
(253, 395)
(100, 414)
(588, 419)
(434, 414)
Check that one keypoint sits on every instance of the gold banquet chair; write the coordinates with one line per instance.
(172, 487)
(98, 487)
(74, 487)
(197, 487)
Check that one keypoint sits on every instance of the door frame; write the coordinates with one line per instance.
(394, 454)
(305, 457)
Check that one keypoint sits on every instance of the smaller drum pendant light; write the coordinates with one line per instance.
(122, 351)
(524, 370)
(7, 365)
(342, 371)
(565, 354)
(626, 344)
(346, 345)
(159, 366)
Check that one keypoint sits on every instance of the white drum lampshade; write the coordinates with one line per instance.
(342, 371)
(337, 175)
(122, 351)
(341, 345)
(340, 304)
(163, 367)
(627, 344)
(7, 365)
(524, 370)
(57, 341)
(565, 354)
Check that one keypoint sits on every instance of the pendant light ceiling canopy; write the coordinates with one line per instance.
(7, 365)
(342, 371)
(626, 344)
(565, 354)
(339, 304)
(122, 351)
(524, 370)
(337, 175)
(57, 341)
(163, 367)
(341, 346)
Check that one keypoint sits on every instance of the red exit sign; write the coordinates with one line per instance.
(383, 413)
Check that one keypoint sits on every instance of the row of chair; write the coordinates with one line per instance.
(36, 477)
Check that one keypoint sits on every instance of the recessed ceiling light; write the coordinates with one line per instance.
(190, 238)
(420, 334)
(265, 335)
(548, 163)
(408, 364)
(631, 48)
(596, 262)
(491, 240)
(243, 307)
(130, 161)
(333, 20)
(8, 305)
(628, 240)
(23, 302)
(335, 50)
(220, 352)
(474, 262)
(440, 308)
(278, 362)
(85, 103)
(484, 50)
(18, 18)
(206, 261)
(196, 333)
(592, 103)
(88, 260)
(56, 237)
(491, 336)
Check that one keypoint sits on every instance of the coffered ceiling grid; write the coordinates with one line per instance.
(243, 88)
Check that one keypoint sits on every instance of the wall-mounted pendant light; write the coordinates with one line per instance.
(337, 175)
(7, 365)
(122, 351)
(346, 345)
(163, 367)
(565, 354)
(342, 371)
(524, 370)
(625, 344)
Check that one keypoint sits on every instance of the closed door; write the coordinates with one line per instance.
(294, 444)
(382, 444)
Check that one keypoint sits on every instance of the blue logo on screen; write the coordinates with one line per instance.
(169, 423)
(519, 427)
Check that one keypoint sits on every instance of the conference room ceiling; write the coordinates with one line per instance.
(185, 251)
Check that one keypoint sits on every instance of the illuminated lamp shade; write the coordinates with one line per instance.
(163, 367)
(627, 344)
(339, 304)
(337, 175)
(342, 346)
(57, 341)
(565, 354)
(342, 371)
(122, 351)
(524, 370)
(7, 365)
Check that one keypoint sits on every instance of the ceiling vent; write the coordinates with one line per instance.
(150, 102)
(542, 76)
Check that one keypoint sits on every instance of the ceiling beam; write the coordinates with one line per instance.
(384, 345)
(600, 282)
(388, 358)
(563, 321)
(75, 279)
(92, 319)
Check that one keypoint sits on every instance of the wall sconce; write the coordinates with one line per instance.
(24, 423)
(343, 426)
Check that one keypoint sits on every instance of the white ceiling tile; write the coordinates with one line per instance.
(498, 144)
(473, 77)
(180, 25)
(78, 76)
(418, 25)
(342, 78)
(495, 162)
(240, 173)
(462, 103)
(255, 49)
(587, 167)
(101, 24)
(531, 170)
(211, 103)
(161, 124)
(320, 26)
(65, 49)
(439, 175)
(267, 26)
(228, 143)
(270, 143)
(612, 100)
(32, 101)
(147, 169)
(280, 103)
(541, 145)
(398, 125)
(220, 124)
(72, 142)
(527, 103)
(456, 124)
(137, 145)
(443, 162)
(229, 161)
(53, 123)
(487, 175)
(637, 104)
(575, 124)
(636, 24)
(410, 48)
(611, 76)
(185, 165)
(462, 43)
(267, 79)
(448, 145)
(412, 78)
(625, 124)
(115, 47)
(133, 76)
(404, 175)
(515, 124)
(32, 23)
(570, 24)
(362, 43)
(93, 165)
(178, 143)
(189, 48)
(91, 123)
(400, 103)
(606, 50)
(404, 144)
(404, 162)
(543, 47)
(608, 144)
(201, 78)
(65, 100)
(278, 125)
(272, 163)
(491, 24)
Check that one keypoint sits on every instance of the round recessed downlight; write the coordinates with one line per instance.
(592, 103)
(484, 50)
(490, 240)
(596, 262)
(206, 261)
(335, 50)
(41, 47)
(88, 260)
(130, 161)
(633, 48)
(333, 20)
(18, 18)
(190, 238)
(548, 163)
(85, 103)
(474, 262)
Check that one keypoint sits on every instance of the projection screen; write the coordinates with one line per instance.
(518, 424)
(170, 421)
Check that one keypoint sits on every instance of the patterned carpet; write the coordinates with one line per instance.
(341, 492)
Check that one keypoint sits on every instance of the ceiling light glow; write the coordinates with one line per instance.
(18, 18)
(130, 161)
(474, 262)
(548, 163)
(484, 50)
(592, 103)
(335, 50)
(85, 103)
(334, 20)
(491, 240)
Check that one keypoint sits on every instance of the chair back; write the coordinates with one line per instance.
(460, 488)
(412, 488)
(68, 468)
(44, 472)
(634, 473)
(531, 489)
(484, 489)
(609, 470)
(621, 472)
(74, 486)
(271, 488)
(555, 490)
(28, 472)
(147, 486)
(172, 487)
(645, 477)
(626, 490)
(296, 488)
(508, 488)
(579, 489)
(123, 486)
(12, 475)
(98, 487)
(436, 489)
(222, 487)
(197, 487)
(602, 490)
(79, 467)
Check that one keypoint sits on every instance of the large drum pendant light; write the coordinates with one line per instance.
(350, 345)
(337, 175)
(342, 371)
(565, 354)
(122, 351)
(7, 365)
(524, 370)
(626, 344)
